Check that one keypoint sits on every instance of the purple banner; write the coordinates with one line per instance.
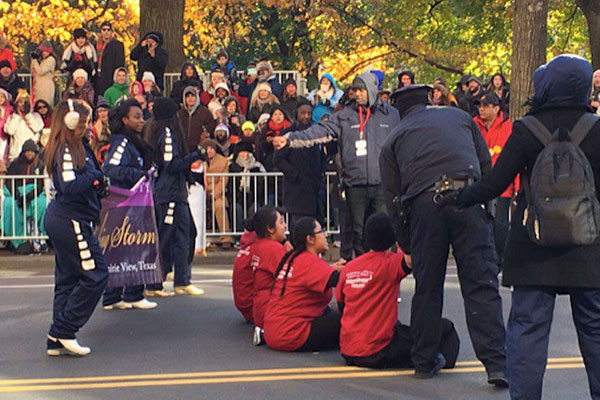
(128, 237)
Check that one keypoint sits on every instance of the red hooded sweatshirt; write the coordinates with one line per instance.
(243, 277)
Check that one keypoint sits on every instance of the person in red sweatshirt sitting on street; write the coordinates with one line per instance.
(496, 127)
(242, 281)
(371, 335)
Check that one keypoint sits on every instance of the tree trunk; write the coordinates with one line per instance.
(166, 17)
(591, 10)
(528, 50)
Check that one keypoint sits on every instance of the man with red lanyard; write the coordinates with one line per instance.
(371, 335)
(496, 127)
(298, 316)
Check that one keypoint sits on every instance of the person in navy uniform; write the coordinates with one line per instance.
(428, 144)
(128, 160)
(176, 232)
(80, 268)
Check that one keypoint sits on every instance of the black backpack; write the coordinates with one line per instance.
(562, 206)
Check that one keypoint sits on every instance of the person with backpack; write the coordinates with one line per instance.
(553, 244)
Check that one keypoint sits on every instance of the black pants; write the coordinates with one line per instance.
(501, 226)
(469, 231)
(361, 199)
(324, 332)
(397, 353)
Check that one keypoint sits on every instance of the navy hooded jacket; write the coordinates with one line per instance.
(563, 80)
(123, 163)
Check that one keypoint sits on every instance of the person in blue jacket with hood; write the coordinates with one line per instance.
(176, 232)
(80, 268)
(223, 63)
(324, 98)
(537, 274)
(128, 160)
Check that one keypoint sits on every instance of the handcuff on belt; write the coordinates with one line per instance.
(447, 184)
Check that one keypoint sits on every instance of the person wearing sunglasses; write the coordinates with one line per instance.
(43, 108)
(111, 55)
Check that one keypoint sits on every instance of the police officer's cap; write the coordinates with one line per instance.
(414, 90)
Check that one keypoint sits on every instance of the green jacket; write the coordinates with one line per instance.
(115, 92)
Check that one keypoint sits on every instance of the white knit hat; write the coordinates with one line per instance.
(80, 73)
(148, 76)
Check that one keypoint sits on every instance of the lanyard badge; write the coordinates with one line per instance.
(361, 143)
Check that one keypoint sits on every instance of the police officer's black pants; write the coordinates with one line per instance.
(359, 200)
(80, 274)
(528, 333)
(469, 231)
(176, 235)
(397, 353)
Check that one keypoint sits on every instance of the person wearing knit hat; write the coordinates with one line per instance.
(80, 88)
(120, 88)
(290, 99)
(9, 80)
(149, 85)
(262, 101)
(80, 54)
(265, 73)
(150, 56)
(474, 93)
(248, 126)
(164, 108)
(23, 124)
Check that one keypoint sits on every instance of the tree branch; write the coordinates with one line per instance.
(362, 63)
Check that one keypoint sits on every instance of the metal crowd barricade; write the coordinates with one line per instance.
(244, 193)
(169, 79)
(30, 228)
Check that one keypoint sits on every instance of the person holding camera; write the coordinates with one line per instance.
(43, 64)
(81, 272)
(150, 56)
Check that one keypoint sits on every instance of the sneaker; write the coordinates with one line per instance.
(158, 293)
(258, 336)
(120, 305)
(498, 379)
(59, 347)
(440, 362)
(189, 289)
(143, 304)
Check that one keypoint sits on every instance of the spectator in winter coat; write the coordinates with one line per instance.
(302, 172)
(111, 55)
(80, 54)
(25, 195)
(216, 77)
(215, 190)
(5, 110)
(462, 87)
(501, 88)
(440, 96)
(475, 92)
(406, 78)
(6, 53)
(150, 89)
(223, 63)
(265, 73)
(451, 98)
(247, 86)
(188, 77)
(150, 56)
(496, 128)
(222, 139)
(120, 88)
(289, 99)
(249, 135)
(136, 89)
(23, 124)
(216, 103)
(231, 115)
(262, 101)
(595, 93)
(80, 88)
(9, 80)
(101, 130)
(324, 98)
(277, 124)
(198, 123)
(42, 71)
(43, 108)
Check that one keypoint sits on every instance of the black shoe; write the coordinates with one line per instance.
(440, 362)
(498, 379)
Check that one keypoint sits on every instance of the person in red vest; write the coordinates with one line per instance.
(298, 316)
(371, 335)
(242, 281)
(496, 127)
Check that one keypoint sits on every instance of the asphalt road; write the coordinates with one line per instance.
(200, 348)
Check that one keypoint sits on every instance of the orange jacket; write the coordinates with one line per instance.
(496, 138)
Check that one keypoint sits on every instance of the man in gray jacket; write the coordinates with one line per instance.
(360, 128)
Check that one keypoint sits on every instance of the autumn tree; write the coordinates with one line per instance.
(165, 17)
(591, 9)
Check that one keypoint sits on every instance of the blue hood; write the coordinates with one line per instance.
(565, 79)
(330, 77)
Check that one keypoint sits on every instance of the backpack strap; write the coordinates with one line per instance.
(538, 129)
(582, 127)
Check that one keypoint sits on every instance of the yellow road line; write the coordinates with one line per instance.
(352, 373)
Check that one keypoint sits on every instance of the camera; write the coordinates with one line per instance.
(36, 54)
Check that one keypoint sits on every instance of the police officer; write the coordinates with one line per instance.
(80, 269)
(434, 147)
(360, 129)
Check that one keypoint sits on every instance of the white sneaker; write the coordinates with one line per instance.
(143, 304)
(58, 347)
(121, 305)
(258, 336)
